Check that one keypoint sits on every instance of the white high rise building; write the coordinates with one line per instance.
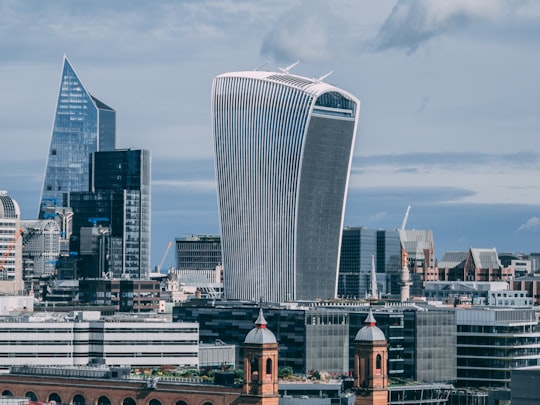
(283, 150)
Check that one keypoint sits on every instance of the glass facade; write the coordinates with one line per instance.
(358, 245)
(430, 345)
(82, 125)
(283, 147)
(121, 200)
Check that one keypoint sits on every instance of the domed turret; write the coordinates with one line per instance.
(370, 332)
(260, 335)
(261, 365)
(370, 364)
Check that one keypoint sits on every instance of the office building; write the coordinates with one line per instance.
(111, 221)
(84, 337)
(82, 125)
(11, 279)
(430, 344)
(283, 146)
(41, 250)
(198, 252)
(492, 341)
(123, 295)
(358, 246)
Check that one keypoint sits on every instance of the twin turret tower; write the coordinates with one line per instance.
(261, 365)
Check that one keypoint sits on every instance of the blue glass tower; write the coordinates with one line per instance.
(82, 125)
(283, 148)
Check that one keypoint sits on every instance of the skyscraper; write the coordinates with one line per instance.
(119, 199)
(82, 125)
(283, 149)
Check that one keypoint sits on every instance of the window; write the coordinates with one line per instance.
(378, 362)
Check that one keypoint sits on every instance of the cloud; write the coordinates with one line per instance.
(414, 22)
(303, 33)
(532, 225)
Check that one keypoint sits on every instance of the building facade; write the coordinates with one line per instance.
(283, 146)
(118, 200)
(133, 296)
(41, 251)
(493, 341)
(358, 246)
(198, 252)
(82, 125)
(11, 278)
(85, 338)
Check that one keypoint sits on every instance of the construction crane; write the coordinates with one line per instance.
(405, 218)
(158, 267)
(7, 252)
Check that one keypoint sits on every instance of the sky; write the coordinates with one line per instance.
(449, 90)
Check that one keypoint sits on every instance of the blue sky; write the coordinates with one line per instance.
(449, 123)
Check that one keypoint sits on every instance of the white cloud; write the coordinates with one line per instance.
(532, 225)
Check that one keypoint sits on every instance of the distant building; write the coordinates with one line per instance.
(125, 295)
(473, 265)
(111, 222)
(82, 125)
(530, 284)
(491, 342)
(420, 249)
(11, 274)
(83, 337)
(493, 293)
(198, 252)
(41, 251)
(283, 147)
(358, 246)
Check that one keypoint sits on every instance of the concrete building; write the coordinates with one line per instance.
(11, 275)
(492, 341)
(82, 125)
(198, 252)
(530, 284)
(83, 337)
(283, 147)
(492, 293)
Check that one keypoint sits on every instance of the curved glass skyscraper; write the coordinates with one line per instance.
(82, 125)
(283, 149)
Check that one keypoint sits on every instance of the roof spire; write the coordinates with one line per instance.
(370, 320)
(260, 322)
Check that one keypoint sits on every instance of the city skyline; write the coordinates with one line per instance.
(448, 123)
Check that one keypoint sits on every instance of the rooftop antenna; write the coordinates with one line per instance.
(320, 79)
(286, 70)
(263, 65)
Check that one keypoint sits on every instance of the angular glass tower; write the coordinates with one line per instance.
(283, 148)
(82, 125)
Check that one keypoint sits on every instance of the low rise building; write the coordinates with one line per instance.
(492, 341)
(82, 338)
